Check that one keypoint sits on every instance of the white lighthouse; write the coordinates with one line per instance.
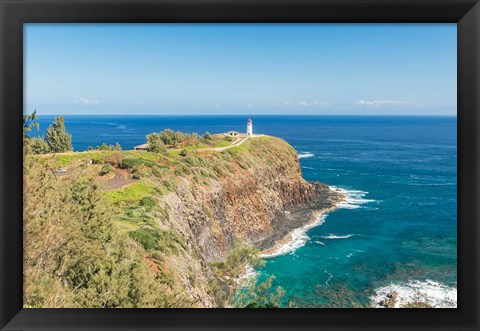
(249, 127)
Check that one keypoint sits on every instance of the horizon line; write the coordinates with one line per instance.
(261, 114)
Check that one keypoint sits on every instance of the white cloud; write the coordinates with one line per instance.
(85, 101)
(313, 104)
(378, 103)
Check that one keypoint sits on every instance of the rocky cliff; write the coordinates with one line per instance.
(177, 214)
(258, 199)
(261, 199)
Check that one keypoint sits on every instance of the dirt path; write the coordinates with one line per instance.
(236, 143)
(119, 180)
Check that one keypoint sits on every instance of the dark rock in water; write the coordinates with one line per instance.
(390, 301)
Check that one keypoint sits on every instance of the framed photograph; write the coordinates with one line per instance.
(266, 161)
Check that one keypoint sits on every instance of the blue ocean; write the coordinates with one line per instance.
(397, 231)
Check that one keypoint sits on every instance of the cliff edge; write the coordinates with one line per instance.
(173, 214)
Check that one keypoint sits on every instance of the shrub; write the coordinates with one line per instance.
(148, 202)
(38, 145)
(146, 237)
(97, 159)
(155, 143)
(58, 139)
(114, 158)
(168, 242)
(107, 168)
(207, 135)
(130, 163)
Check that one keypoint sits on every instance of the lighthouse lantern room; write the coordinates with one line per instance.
(249, 127)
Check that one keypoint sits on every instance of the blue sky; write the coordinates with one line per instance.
(388, 69)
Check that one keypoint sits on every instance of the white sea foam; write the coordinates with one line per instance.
(319, 242)
(249, 274)
(298, 238)
(434, 294)
(355, 251)
(332, 236)
(353, 198)
(304, 155)
(330, 276)
(305, 167)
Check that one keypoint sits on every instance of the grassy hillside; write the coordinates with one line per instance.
(89, 243)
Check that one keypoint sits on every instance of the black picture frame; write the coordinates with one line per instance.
(14, 13)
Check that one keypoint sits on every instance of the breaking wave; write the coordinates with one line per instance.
(353, 198)
(332, 236)
(304, 155)
(434, 294)
(298, 239)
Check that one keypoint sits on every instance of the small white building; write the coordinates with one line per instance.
(249, 127)
(232, 134)
(142, 147)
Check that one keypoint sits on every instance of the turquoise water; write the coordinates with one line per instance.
(398, 229)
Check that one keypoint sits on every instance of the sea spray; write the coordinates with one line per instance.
(304, 155)
(353, 198)
(298, 238)
(333, 236)
(434, 294)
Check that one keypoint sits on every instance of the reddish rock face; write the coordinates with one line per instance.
(251, 202)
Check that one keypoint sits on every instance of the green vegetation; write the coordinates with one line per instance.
(255, 294)
(148, 202)
(168, 242)
(105, 147)
(58, 139)
(229, 289)
(221, 143)
(106, 169)
(131, 163)
(75, 256)
(94, 245)
(155, 143)
(207, 135)
(167, 139)
(39, 145)
(131, 193)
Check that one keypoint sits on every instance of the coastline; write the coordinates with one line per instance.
(317, 218)
(284, 245)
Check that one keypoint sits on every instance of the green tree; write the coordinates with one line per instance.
(207, 136)
(28, 124)
(58, 139)
(155, 144)
(103, 147)
(254, 294)
(38, 145)
(168, 137)
(75, 255)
